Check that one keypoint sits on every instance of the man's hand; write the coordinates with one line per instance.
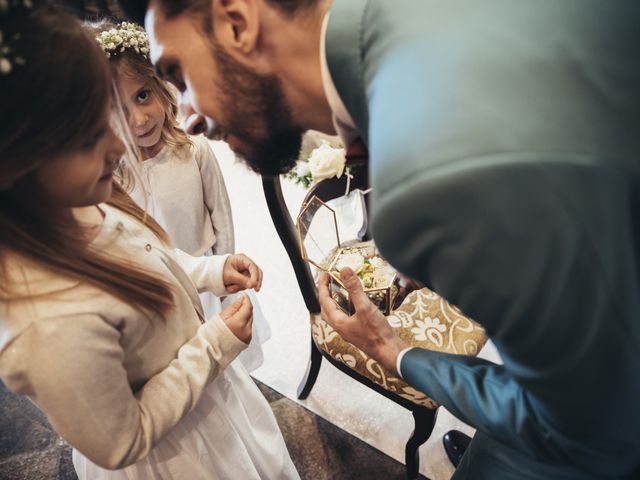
(240, 273)
(239, 318)
(368, 328)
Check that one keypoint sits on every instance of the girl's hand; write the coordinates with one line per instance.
(239, 318)
(240, 273)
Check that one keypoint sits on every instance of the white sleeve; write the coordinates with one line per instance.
(72, 367)
(399, 361)
(216, 198)
(206, 273)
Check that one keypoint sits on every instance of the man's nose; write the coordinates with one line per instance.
(194, 125)
(192, 122)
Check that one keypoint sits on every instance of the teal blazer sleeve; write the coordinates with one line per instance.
(479, 393)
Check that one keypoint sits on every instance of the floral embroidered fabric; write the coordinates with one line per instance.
(424, 320)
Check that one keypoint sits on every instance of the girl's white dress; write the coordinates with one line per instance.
(184, 191)
(229, 435)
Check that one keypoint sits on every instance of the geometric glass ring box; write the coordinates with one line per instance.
(320, 245)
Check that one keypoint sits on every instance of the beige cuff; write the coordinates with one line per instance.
(218, 335)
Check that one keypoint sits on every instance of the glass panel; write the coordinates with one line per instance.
(320, 245)
(377, 276)
(318, 233)
(340, 296)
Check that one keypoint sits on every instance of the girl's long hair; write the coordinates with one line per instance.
(51, 102)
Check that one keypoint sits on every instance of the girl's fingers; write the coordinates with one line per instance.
(259, 286)
(254, 275)
(246, 310)
(250, 275)
(239, 279)
(232, 309)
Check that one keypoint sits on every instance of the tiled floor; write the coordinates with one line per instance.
(322, 451)
(31, 450)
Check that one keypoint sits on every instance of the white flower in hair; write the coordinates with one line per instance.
(126, 35)
(5, 66)
(7, 56)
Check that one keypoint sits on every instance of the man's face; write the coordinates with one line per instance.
(221, 97)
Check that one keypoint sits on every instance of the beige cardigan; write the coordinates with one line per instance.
(111, 381)
(188, 197)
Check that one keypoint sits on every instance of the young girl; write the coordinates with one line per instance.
(180, 181)
(100, 321)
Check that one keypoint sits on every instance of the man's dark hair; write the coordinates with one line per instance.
(135, 10)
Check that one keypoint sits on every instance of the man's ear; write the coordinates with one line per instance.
(236, 25)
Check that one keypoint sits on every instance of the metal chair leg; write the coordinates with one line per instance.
(311, 374)
(424, 422)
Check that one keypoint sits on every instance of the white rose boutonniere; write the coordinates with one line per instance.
(326, 162)
(323, 162)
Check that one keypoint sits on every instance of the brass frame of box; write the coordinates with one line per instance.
(336, 255)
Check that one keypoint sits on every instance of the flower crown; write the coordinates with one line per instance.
(124, 35)
(7, 57)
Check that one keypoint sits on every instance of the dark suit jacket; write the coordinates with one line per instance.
(504, 143)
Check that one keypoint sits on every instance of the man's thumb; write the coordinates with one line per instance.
(354, 287)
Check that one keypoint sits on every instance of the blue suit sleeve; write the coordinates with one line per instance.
(476, 391)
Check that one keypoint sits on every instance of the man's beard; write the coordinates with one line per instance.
(257, 115)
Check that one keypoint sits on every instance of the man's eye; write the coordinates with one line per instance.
(143, 96)
(174, 76)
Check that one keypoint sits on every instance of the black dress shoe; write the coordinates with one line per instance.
(455, 444)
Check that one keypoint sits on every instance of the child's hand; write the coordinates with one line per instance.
(239, 318)
(240, 273)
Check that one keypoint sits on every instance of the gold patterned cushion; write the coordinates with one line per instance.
(424, 320)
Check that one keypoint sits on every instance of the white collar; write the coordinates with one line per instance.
(342, 121)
